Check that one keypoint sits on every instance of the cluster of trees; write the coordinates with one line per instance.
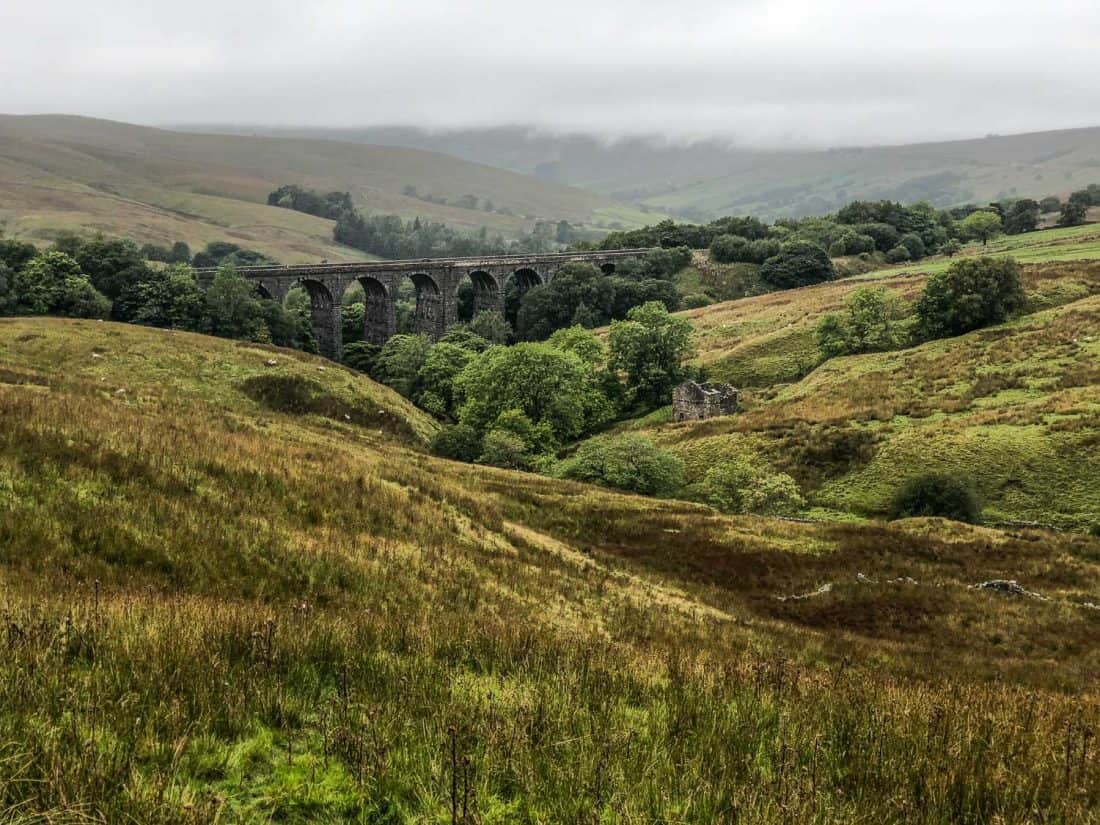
(515, 406)
(329, 205)
(390, 236)
(968, 295)
(109, 278)
(581, 294)
(793, 252)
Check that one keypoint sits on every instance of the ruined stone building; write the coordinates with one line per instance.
(694, 401)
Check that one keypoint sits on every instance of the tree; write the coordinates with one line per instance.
(898, 255)
(552, 306)
(912, 242)
(53, 283)
(649, 349)
(870, 323)
(1075, 210)
(935, 494)
(626, 462)
(504, 449)
(442, 364)
(727, 249)
(459, 442)
(361, 356)
(399, 362)
(1022, 216)
(1050, 204)
(981, 225)
(798, 263)
(951, 248)
(970, 294)
(491, 326)
(739, 485)
(542, 382)
(16, 254)
(110, 264)
(165, 298)
(232, 309)
(884, 236)
(581, 342)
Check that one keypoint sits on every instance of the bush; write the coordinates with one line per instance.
(898, 255)
(870, 323)
(625, 462)
(696, 300)
(459, 442)
(912, 241)
(799, 263)
(970, 294)
(502, 448)
(742, 486)
(935, 495)
(361, 356)
(728, 249)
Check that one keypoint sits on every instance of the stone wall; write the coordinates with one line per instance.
(695, 401)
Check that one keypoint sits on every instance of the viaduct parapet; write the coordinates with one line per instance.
(436, 280)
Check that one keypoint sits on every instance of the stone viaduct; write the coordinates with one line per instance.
(437, 281)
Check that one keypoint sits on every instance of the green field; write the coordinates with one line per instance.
(235, 589)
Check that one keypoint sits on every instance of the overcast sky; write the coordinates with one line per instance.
(762, 72)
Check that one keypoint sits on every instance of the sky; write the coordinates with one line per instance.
(754, 72)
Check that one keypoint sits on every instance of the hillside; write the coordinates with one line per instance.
(158, 186)
(1014, 409)
(709, 179)
(236, 589)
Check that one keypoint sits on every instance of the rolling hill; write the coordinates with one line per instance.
(72, 173)
(1014, 409)
(236, 589)
(708, 179)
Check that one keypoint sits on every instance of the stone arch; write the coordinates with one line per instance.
(263, 292)
(483, 293)
(380, 319)
(324, 314)
(429, 305)
(525, 278)
(607, 269)
(516, 286)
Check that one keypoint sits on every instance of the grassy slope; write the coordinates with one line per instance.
(713, 178)
(77, 173)
(1016, 408)
(291, 611)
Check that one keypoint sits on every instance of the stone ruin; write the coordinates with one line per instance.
(695, 401)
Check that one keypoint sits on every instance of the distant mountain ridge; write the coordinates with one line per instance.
(61, 172)
(710, 178)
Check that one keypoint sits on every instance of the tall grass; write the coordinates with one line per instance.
(214, 611)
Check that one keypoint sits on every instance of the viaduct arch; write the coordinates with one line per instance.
(436, 280)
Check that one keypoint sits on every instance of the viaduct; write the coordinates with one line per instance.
(436, 280)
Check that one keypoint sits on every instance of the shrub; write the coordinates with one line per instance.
(743, 486)
(935, 495)
(625, 462)
(799, 263)
(695, 300)
(361, 356)
(912, 241)
(870, 323)
(951, 248)
(728, 249)
(502, 448)
(459, 442)
(970, 294)
(898, 255)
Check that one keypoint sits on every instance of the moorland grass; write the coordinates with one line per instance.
(223, 609)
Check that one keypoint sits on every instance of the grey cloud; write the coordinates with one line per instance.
(755, 71)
